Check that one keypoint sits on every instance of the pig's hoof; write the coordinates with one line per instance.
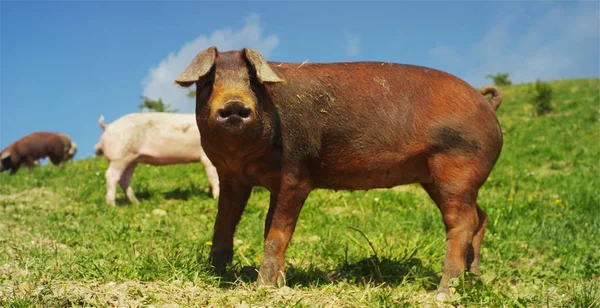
(261, 282)
(264, 281)
(220, 258)
(441, 296)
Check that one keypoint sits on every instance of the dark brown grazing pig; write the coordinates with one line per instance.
(27, 150)
(293, 127)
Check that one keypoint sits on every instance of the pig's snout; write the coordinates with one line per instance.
(234, 113)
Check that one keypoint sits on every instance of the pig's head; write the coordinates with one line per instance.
(230, 92)
(5, 162)
(72, 151)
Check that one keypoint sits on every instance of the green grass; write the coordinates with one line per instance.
(60, 245)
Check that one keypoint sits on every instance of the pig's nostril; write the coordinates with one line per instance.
(225, 113)
(244, 113)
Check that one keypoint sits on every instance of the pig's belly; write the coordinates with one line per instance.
(169, 156)
(166, 160)
(360, 172)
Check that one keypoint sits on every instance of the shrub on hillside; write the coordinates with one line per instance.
(500, 79)
(542, 98)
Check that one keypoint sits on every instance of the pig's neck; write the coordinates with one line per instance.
(250, 158)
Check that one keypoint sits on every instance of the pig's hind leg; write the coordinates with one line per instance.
(125, 181)
(456, 181)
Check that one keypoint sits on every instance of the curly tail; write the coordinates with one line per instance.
(496, 99)
(101, 122)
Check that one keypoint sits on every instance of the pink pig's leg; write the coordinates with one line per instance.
(211, 174)
(113, 176)
(125, 180)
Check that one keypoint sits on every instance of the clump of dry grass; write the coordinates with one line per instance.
(179, 293)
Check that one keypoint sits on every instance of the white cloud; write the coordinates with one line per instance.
(565, 43)
(352, 46)
(159, 81)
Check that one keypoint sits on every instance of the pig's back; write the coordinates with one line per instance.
(38, 145)
(363, 111)
(165, 137)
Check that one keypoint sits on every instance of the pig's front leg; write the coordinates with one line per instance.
(286, 203)
(232, 201)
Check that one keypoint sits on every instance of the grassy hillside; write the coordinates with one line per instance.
(60, 245)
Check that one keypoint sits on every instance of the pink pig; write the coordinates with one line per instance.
(151, 138)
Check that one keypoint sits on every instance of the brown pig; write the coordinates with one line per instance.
(27, 150)
(293, 127)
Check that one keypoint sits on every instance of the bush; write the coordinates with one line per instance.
(500, 79)
(155, 106)
(542, 98)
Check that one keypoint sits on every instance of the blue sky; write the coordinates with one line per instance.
(63, 64)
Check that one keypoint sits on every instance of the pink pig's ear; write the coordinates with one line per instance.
(199, 67)
(264, 73)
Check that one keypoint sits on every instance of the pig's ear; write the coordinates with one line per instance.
(263, 71)
(199, 67)
(4, 156)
